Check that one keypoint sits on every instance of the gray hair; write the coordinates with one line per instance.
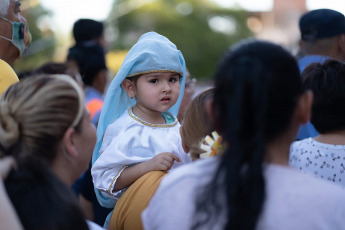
(4, 4)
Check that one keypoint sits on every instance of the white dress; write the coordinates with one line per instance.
(130, 140)
(293, 200)
(324, 161)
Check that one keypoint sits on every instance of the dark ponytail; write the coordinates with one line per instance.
(257, 86)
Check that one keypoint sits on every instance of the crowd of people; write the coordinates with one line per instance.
(264, 148)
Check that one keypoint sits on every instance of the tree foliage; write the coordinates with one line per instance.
(201, 29)
(43, 42)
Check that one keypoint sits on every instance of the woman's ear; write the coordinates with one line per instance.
(129, 87)
(184, 146)
(303, 110)
(69, 143)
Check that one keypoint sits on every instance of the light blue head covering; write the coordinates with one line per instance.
(152, 53)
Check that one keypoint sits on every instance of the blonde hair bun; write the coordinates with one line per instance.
(9, 128)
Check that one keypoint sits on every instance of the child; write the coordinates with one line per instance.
(323, 155)
(127, 212)
(142, 136)
(196, 124)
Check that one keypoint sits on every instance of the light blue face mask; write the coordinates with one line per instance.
(18, 31)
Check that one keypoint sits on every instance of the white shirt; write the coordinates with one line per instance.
(293, 200)
(130, 140)
(324, 161)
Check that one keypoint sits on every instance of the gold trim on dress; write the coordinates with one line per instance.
(112, 182)
(149, 124)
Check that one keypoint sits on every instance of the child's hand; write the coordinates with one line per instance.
(162, 161)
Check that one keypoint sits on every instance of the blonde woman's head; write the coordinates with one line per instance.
(36, 112)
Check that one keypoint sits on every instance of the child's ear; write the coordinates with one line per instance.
(185, 148)
(129, 87)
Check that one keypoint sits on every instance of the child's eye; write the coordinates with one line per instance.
(153, 80)
(173, 79)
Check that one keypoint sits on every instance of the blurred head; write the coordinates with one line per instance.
(258, 102)
(327, 82)
(14, 32)
(189, 91)
(87, 30)
(45, 116)
(59, 68)
(91, 64)
(249, 85)
(323, 33)
(196, 124)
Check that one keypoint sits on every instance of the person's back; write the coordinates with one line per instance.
(322, 37)
(250, 186)
(87, 56)
(323, 155)
(47, 203)
(293, 200)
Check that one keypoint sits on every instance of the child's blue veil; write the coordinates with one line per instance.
(152, 53)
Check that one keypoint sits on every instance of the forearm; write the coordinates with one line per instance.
(8, 216)
(130, 175)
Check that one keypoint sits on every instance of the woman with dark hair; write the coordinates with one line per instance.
(258, 106)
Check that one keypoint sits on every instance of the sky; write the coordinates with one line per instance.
(66, 12)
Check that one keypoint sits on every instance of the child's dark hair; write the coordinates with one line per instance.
(327, 81)
(257, 88)
(41, 200)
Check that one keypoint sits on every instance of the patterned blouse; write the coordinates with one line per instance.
(325, 161)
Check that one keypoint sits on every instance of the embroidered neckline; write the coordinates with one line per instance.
(132, 115)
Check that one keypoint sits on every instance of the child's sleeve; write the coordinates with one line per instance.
(111, 162)
(122, 147)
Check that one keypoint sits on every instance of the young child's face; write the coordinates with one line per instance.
(157, 91)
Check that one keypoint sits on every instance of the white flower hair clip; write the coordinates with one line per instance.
(212, 145)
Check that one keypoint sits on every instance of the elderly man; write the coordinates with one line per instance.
(14, 32)
(14, 40)
(322, 37)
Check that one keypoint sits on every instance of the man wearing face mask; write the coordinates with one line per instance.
(14, 40)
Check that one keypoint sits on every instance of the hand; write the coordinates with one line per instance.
(6, 164)
(162, 161)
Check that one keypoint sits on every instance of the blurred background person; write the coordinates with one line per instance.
(322, 37)
(14, 31)
(14, 40)
(88, 57)
(188, 95)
